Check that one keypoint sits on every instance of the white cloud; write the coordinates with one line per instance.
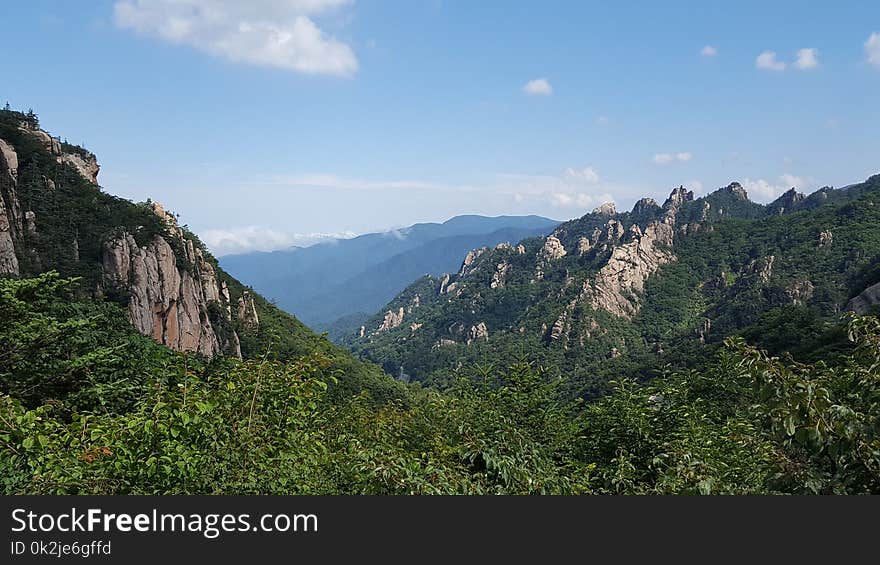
(587, 175)
(575, 188)
(666, 158)
(538, 87)
(872, 49)
(695, 185)
(257, 238)
(602, 120)
(768, 62)
(765, 191)
(332, 181)
(807, 59)
(268, 33)
(708, 51)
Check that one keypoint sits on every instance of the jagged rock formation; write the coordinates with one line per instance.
(10, 211)
(865, 301)
(552, 250)
(247, 311)
(799, 293)
(166, 302)
(500, 275)
(478, 331)
(619, 283)
(391, 320)
(85, 162)
(825, 238)
(606, 209)
(468, 265)
(788, 202)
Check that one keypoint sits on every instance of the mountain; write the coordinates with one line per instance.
(633, 292)
(55, 217)
(334, 286)
(131, 363)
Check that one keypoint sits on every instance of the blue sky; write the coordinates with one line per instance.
(267, 121)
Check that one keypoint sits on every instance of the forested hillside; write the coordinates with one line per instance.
(613, 294)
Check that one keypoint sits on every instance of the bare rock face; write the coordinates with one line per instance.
(799, 292)
(10, 210)
(87, 168)
(737, 190)
(786, 203)
(865, 301)
(247, 310)
(521, 249)
(676, 198)
(85, 163)
(477, 332)
(645, 206)
(468, 265)
(583, 246)
(826, 238)
(619, 282)
(606, 209)
(553, 249)
(166, 302)
(499, 277)
(392, 320)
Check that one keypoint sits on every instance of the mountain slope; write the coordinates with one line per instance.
(627, 293)
(54, 216)
(350, 278)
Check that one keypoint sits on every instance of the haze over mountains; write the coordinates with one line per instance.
(336, 285)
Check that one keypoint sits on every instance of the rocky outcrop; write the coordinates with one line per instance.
(10, 210)
(826, 238)
(606, 209)
(737, 190)
(619, 283)
(786, 203)
(645, 206)
(468, 265)
(865, 301)
(583, 246)
(84, 162)
(477, 332)
(552, 250)
(167, 302)
(799, 293)
(500, 275)
(247, 311)
(391, 320)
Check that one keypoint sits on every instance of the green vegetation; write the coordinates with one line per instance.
(124, 416)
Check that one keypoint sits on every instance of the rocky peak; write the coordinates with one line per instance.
(645, 206)
(786, 203)
(677, 197)
(606, 209)
(737, 190)
(467, 266)
(85, 162)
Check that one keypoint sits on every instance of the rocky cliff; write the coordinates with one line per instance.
(167, 301)
(53, 215)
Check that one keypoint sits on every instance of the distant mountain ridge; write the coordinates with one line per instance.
(615, 293)
(335, 285)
